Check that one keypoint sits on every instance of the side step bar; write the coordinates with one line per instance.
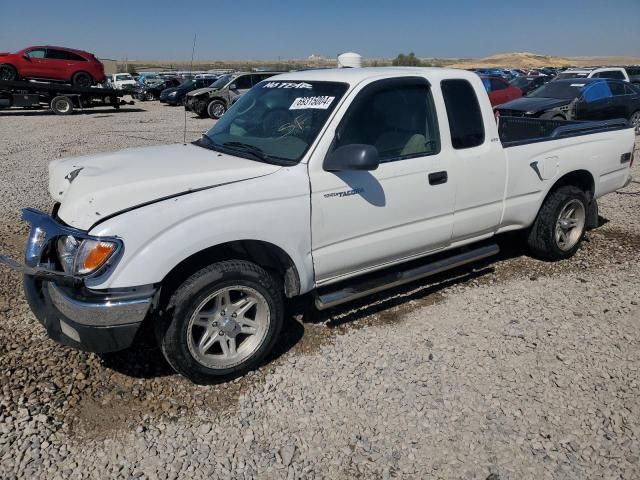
(385, 281)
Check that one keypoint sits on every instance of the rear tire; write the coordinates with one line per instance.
(82, 80)
(62, 105)
(8, 73)
(149, 97)
(207, 320)
(560, 225)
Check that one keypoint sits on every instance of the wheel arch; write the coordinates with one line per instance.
(265, 254)
(583, 179)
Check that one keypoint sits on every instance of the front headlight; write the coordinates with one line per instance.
(85, 256)
(173, 94)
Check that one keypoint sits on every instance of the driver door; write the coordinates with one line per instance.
(364, 220)
(239, 87)
(35, 65)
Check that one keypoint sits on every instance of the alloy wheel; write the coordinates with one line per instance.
(570, 225)
(228, 327)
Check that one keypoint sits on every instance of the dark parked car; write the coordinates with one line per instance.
(579, 99)
(212, 102)
(152, 90)
(177, 95)
(499, 90)
(528, 84)
(77, 67)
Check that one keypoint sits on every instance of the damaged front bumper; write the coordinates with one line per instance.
(72, 313)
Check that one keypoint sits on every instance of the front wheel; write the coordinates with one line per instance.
(558, 230)
(221, 322)
(61, 105)
(216, 109)
(149, 96)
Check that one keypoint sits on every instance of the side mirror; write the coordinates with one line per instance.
(352, 157)
(26, 57)
(233, 86)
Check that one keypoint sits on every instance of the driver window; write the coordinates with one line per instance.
(399, 121)
(37, 53)
(243, 82)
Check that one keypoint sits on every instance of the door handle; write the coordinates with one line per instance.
(438, 178)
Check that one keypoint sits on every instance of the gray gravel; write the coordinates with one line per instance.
(522, 369)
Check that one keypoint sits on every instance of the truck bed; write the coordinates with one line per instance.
(515, 131)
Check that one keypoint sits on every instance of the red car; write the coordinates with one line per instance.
(500, 91)
(79, 68)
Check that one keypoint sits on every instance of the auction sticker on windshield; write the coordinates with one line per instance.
(322, 103)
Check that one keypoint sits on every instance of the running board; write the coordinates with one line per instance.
(385, 281)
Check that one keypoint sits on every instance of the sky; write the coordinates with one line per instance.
(288, 29)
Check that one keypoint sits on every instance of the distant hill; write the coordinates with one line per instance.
(528, 59)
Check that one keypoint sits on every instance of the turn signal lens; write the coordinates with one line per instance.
(92, 255)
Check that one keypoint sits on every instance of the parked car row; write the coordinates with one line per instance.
(578, 99)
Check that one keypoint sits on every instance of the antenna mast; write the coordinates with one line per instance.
(193, 51)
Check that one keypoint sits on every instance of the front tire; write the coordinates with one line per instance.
(221, 322)
(62, 105)
(216, 109)
(560, 225)
(149, 97)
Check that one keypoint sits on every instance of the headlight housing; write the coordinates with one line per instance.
(84, 256)
(173, 94)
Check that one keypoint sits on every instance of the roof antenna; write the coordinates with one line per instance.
(193, 51)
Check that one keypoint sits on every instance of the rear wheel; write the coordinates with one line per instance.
(8, 73)
(216, 109)
(82, 80)
(62, 105)
(149, 96)
(558, 230)
(221, 322)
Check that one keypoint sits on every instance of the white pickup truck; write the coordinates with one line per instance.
(333, 183)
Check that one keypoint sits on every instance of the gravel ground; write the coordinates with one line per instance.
(520, 369)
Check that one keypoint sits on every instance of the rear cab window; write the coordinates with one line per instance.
(466, 123)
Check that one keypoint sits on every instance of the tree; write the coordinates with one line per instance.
(403, 60)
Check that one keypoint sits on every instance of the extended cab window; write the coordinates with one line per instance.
(465, 118)
(399, 120)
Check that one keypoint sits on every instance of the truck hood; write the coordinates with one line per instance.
(200, 91)
(534, 104)
(4, 54)
(93, 187)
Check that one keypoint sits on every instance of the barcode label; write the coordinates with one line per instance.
(321, 103)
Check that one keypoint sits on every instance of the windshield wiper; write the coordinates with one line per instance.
(255, 152)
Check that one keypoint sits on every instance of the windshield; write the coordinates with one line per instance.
(572, 75)
(187, 84)
(125, 76)
(275, 122)
(559, 90)
(221, 82)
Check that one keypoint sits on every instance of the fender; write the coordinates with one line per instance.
(159, 236)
